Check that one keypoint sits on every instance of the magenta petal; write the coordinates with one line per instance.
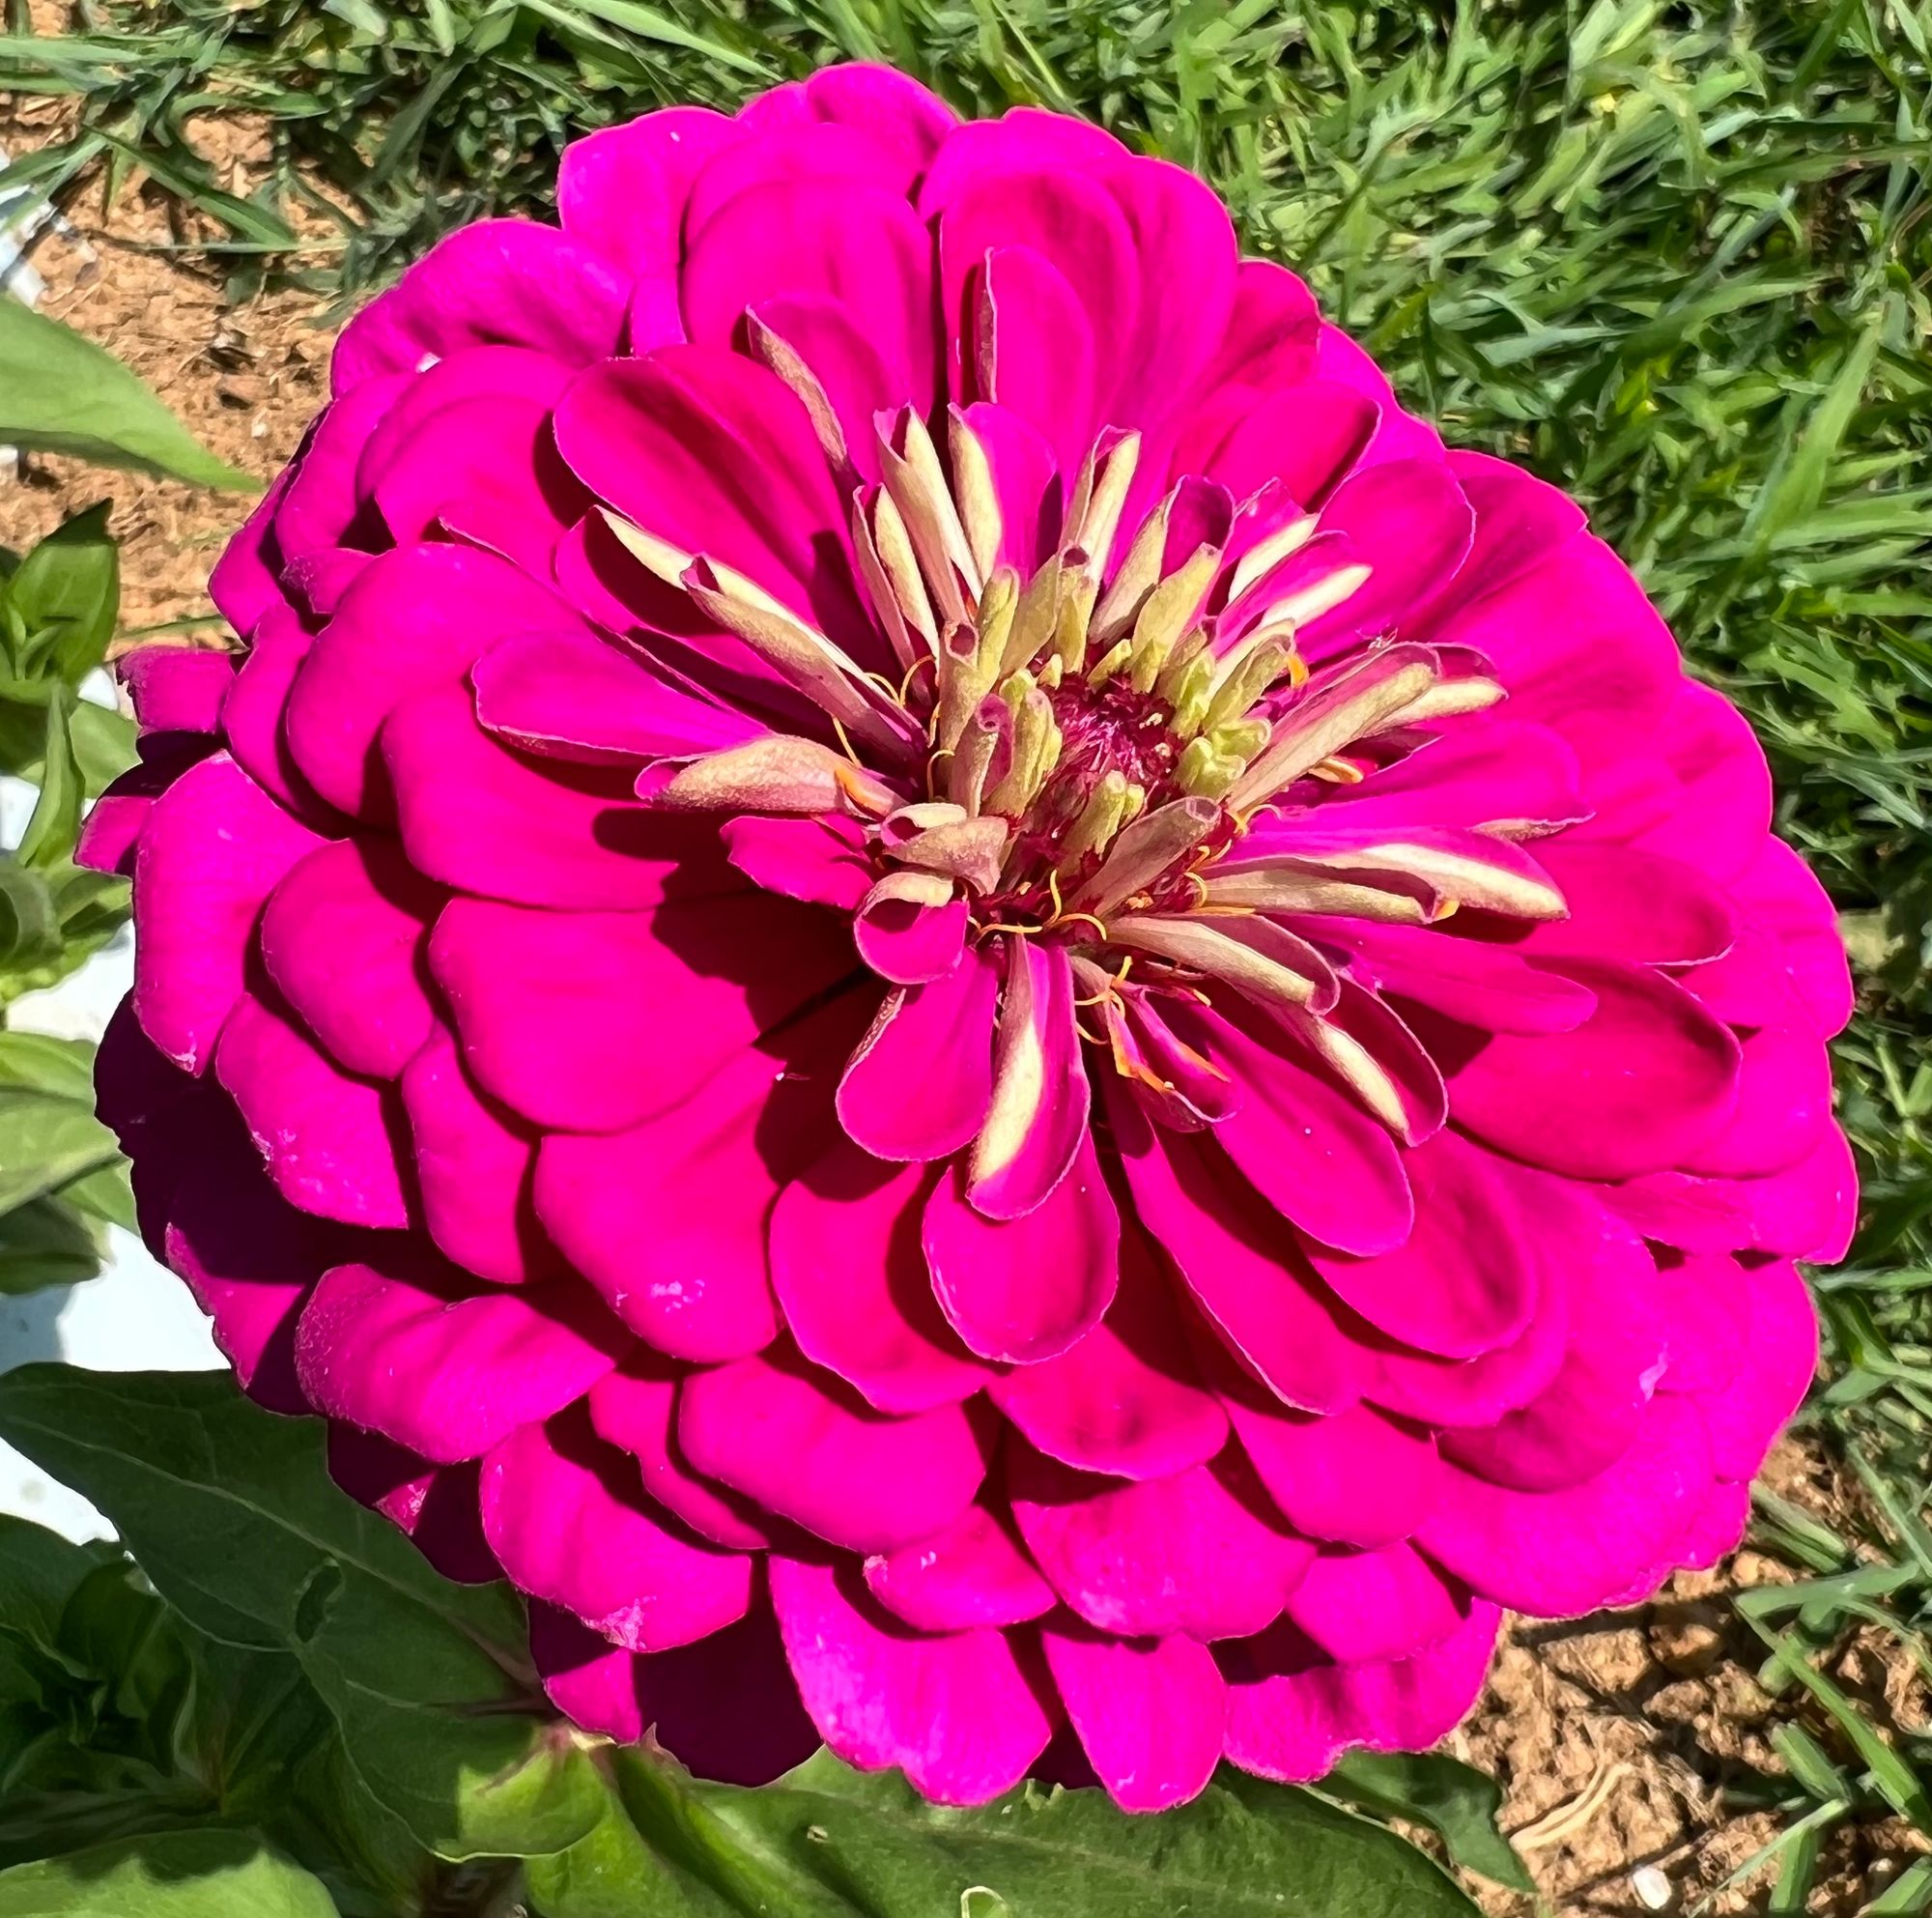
(854, 244)
(1704, 1304)
(910, 943)
(787, 1435)
(712, 452)
(568, 1531)
(1365, 1608)
(1066, 219)
(1780, 893)
(1033, 350)
(1041, 1095)
(1030, 1288)
(245, 583)
(1467, 980)
(921, 1081)
(335, 1145)
(501, 282)
(623, 188)
(177, 689)
(473, 1165)
(1309, 1151)
(1239, 1263)
(448, 1375)
(1636, 1088)
(1588, 1414)
(849, 1273)
(1723, 784)
(973, 1573)
(908, 119)
(452, 602)
(821, 860)
(1463, 1282)
(1151, 1716)
(1306, 437)
(566, 694)
(343, 938)
(1766, 1389)
(1125, 1399)
(1355, 1477)
(595, 1021)
(958, 1714)
(252, 715)
(433, 1505)
(1562, 1553)
(1633, 905)
(1292, 1712)
(667, 1220)
(1194, 1554)
(634, 1408)
(212, 850)
(532, 831)
(725, 1707)
(487, 470)
(247, 1255)
(1785, 1104)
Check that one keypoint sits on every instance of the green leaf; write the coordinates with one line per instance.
(212, 1873)
(1454, 1800)
(231, 1514)
(828, 1842)
(46, 1243)
(29, 923)
(39, 1063)
(40, 1571)
(61, 394)
(46, 1140)
(103, 743)
(67, 595)
(55, 825)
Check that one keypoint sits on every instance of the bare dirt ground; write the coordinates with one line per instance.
(1626, 1744)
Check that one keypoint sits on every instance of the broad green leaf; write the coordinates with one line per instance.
(45, 1241)
(39, 1063)
(67, 593)
(40, 1571)
(61, 394)
(828, 1841)
(103, 743)
(46, 1140)
(231, 1512)
(106, 1193)
(212, 1874)
(611, 1873)
(29, 923)
(1453, 1799)
(56, 824)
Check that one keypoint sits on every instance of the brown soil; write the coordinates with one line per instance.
(245, 378)
(1622, 1741)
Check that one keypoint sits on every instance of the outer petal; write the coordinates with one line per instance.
(1149, 1715)
(1193, 1554)
(725, 1707)
(851, 1278)
(1125, 1399)
(569, 1531)
(961, 1715)
(449, 1376)
(921, 1082)
(787, 1436)
(1033, 1287)
(1291, 1713)
(973, 1573)
(213, 849)
(335, 1145)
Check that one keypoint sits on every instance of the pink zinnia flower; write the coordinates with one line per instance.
(918, 964)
